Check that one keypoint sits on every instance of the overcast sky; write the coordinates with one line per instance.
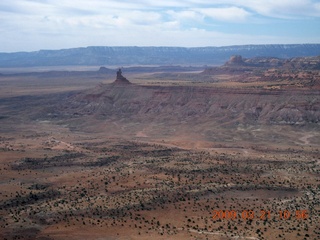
(30, 25)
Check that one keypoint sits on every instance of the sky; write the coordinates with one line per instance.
(32, 25)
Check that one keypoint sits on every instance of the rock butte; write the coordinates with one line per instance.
(121, 79)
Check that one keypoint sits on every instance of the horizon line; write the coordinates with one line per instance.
(134, 46)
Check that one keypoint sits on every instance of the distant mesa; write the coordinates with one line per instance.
(121, 79)
(235, 60)
(105, 70)
(239, 65)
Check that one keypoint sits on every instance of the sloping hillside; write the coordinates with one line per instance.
(197, 104)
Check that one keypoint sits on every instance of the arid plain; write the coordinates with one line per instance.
(229, 152)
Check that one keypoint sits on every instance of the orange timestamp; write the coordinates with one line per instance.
(262, 215)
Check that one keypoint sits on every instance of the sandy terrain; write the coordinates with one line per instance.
(76, 165)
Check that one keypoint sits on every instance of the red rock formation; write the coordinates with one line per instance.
(121, 79)
(235, 60)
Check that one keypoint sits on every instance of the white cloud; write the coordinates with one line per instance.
(274, 8)
(269, 8)
(141, 17)
(284, 8)
(230, 14)
(184, 19)
(185, 15)
(60, 24)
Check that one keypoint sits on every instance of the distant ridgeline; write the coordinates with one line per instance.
(115, 56)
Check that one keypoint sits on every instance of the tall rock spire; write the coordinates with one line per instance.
(121, 79)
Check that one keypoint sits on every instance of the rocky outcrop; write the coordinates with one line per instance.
(121, 79)
(235, 60)
(197, 104)
(237, 64)
(229, 106)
